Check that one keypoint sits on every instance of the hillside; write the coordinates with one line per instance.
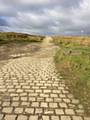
(7, 37)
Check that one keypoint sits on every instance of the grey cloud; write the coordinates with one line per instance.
(70, 3)
(3, 22)
(68, 17)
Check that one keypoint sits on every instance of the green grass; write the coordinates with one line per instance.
(73, 62)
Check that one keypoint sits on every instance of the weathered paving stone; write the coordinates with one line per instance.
(22, 117)
(62, 96)
(38, 91)
(15, 98)
(45, 117)
(25, 104)
(31, 89)
(18, 110)
(47, 91)
(49, 100)
(55, 118)
(23, 98)
(65, 118)
(15, 104)
(53, 105)
(44, 95)
(63, 105)
(57, 100)
(32, 98)
(54, 95)
(80, 111)
(66, 100)
(7, 110)
(59, 111)
(35, 104)
(29, 110)
(44, 104)
(33, 94)
(38, 111)
(1, 116)
(48, 111)
(69, 112)
(6, 104)
(56, 91)
(10, 117)
(72, 106)
(77, 118)
(19, 91)
(33, 117)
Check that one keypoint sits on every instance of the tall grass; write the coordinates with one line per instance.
(73, 62)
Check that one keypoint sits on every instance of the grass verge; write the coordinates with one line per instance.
(73, 62)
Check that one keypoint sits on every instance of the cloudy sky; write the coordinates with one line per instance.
(46, 17)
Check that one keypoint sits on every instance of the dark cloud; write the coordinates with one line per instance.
(68, 4)
(3, 22)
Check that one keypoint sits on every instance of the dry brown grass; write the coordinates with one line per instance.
(82, 40)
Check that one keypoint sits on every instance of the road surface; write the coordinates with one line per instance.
(31, 89)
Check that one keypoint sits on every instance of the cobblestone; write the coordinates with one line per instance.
(53, 105)
(7, 110)
(55, 118)
(69, 112)
(59, 111)
(35, 104)
(10, 117)
(6, 104)
(65, 118)
(63, 105)
(15, 104)
(18, 110)
(1, 116)
(33, 118)
(43, 104)
(38, 111)
(45, 117)
(29, 110)
(48, 111)
(22, 117)
(77, 118)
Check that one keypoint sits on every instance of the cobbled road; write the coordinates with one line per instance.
(31, 89)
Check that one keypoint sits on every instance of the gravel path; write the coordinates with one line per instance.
(31, 89)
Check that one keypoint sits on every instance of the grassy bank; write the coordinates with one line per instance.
(73, 62)
(11, 37)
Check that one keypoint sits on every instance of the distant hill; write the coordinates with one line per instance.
(6, 37)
